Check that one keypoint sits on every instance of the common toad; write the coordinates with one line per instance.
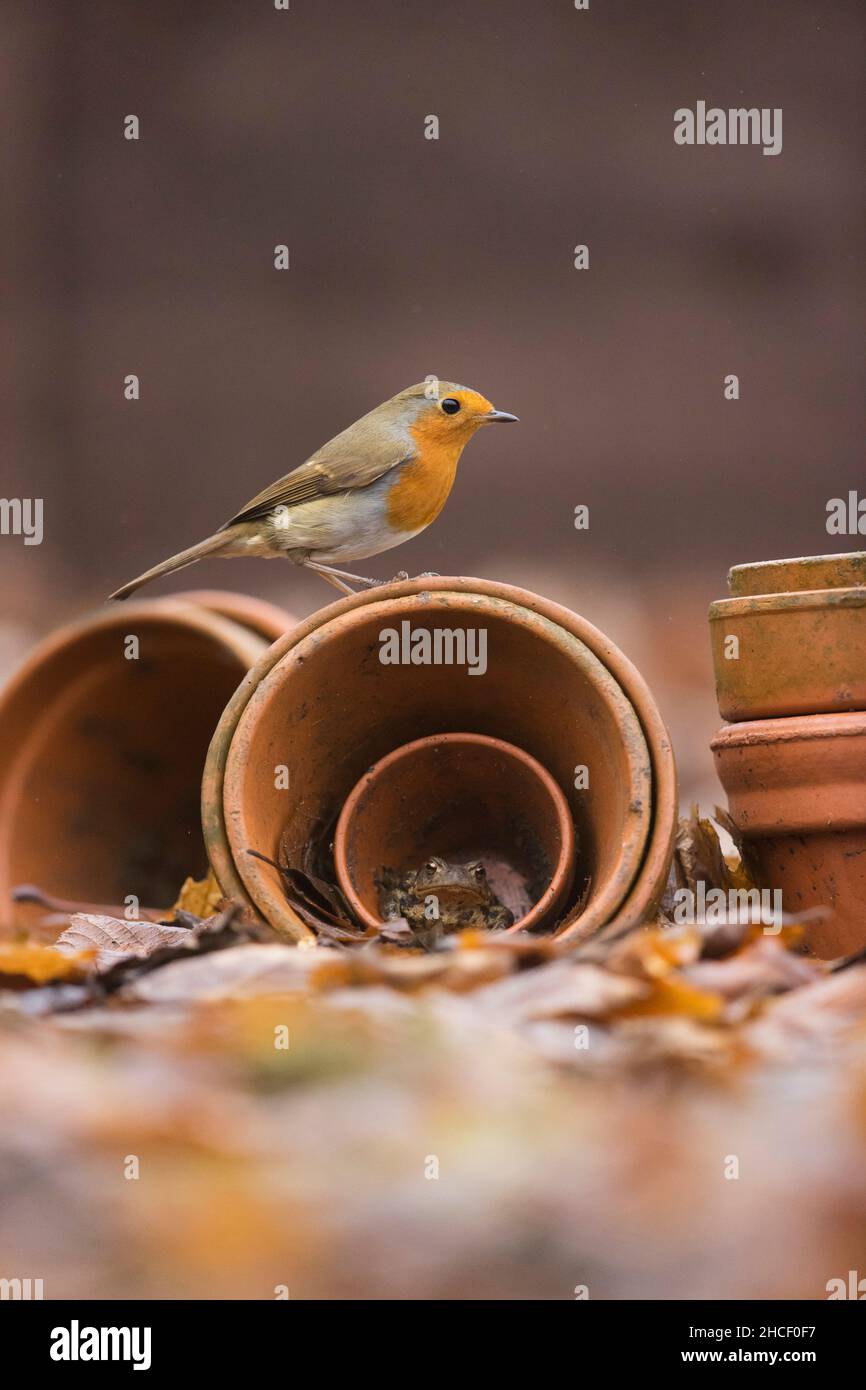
(441, 897)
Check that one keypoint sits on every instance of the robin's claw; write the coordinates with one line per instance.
(379, 583)
(403, 576)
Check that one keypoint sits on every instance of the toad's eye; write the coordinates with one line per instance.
(478, 872)
(431, 866)
(450, 405)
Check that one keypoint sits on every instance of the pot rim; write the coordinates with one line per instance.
(794, 601)
(804, 779)
(246, 645)
(796, 728)
(652, 874)
(743, 580)
(265, 619)
(563, 870)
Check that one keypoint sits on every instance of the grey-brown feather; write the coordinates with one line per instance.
(353, 459)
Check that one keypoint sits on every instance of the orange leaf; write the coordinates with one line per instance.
(42, 963)
(676, 996)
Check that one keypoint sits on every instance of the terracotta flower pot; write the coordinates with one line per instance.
(460, 797)
(800, 630)
(101, 754)
(256, 614)
(321, 708)
(797, 791)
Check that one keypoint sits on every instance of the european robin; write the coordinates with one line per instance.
(377, 484)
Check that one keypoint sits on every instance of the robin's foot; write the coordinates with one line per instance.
(397, 579)
(403, 575)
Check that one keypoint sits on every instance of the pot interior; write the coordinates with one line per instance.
(334, 705)
(460, 798)
(103, 755)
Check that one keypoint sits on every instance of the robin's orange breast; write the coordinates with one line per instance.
(420, 492)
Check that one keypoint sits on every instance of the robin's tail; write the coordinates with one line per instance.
(212, 546)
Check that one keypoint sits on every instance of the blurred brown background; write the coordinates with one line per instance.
(410, 256)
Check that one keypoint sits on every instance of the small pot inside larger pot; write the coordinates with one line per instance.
(459, 799)
(332, 705)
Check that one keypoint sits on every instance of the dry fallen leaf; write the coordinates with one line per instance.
(651, 953)
(820, 1013)
(763, 967)
(675, 995)
(199, 897)
(114, 939)
(42, 964)
(237, 972)
(225, 930)
(670, 1047)
(699, 856)
(561, 989)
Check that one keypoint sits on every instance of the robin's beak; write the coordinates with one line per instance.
(501, 416)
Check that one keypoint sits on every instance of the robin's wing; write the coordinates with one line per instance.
(339, 466)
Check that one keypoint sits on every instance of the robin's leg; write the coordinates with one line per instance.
(336, 577)
(330, 578)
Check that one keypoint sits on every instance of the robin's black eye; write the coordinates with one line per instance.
(450, 405)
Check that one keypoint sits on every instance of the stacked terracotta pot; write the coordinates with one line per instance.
(555, 753)
(789, 648)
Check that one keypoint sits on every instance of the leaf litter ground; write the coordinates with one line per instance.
(199, 1109)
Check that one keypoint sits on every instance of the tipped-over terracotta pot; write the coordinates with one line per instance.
(459, 797)
(797, 791)
(103, 736)
(322, 707)
(792, 638)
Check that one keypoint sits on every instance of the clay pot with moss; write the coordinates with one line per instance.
(411, 660)
(103, 737)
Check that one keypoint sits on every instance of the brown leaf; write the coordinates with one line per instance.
(199, 897)
(562, 989)
(818, 1014)
(114, 939)
(672, 1047)
(455, 968)
(699, 857)
(764, 967)
(228, 928)
(651, 953)
(239, 972)
(319, 904)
